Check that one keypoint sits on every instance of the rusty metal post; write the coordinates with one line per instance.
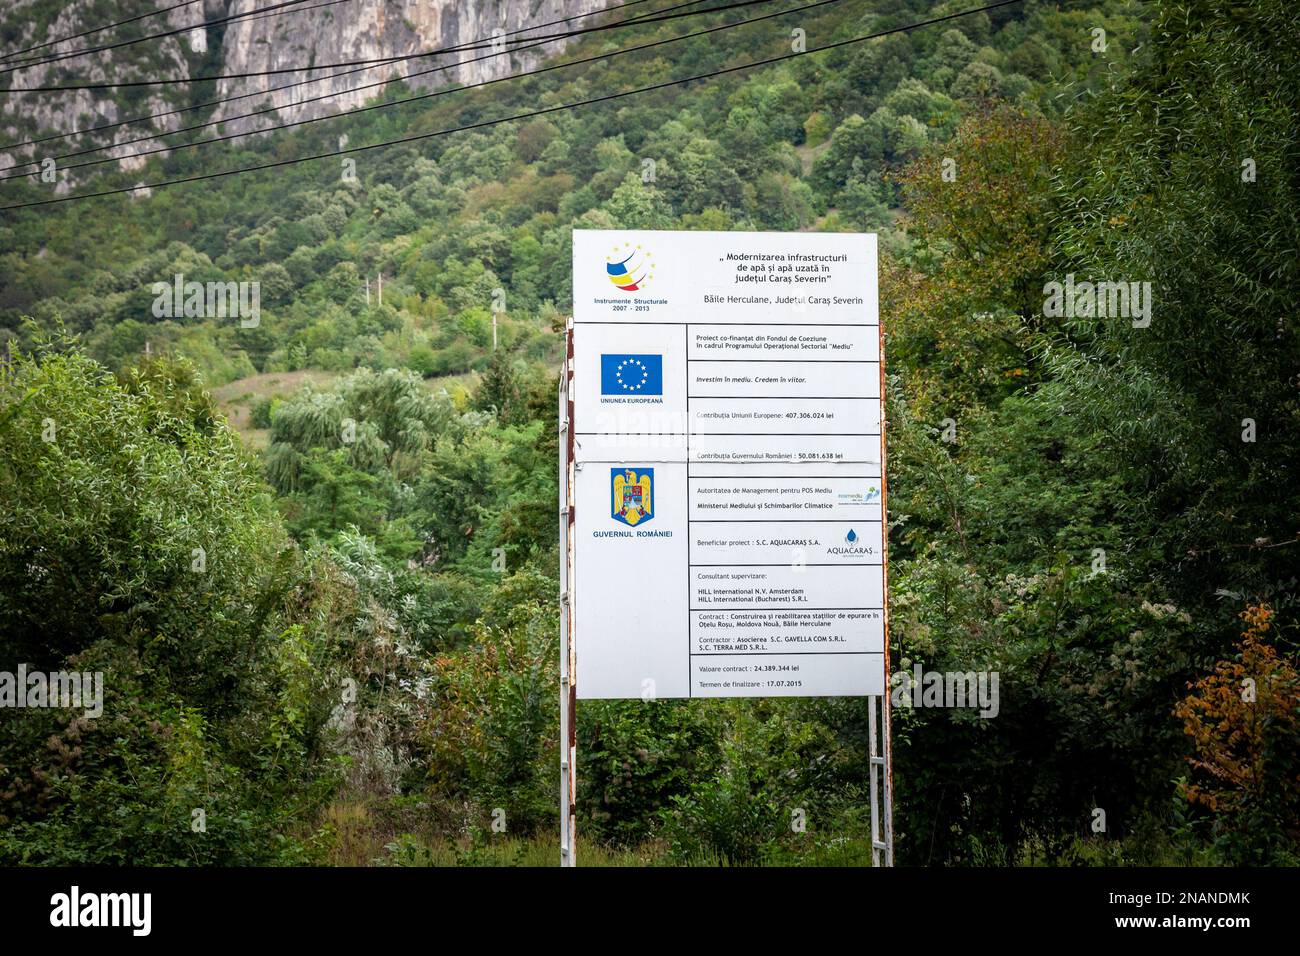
(876, 761)
(568, 658)
(886, 750)
(882, 798)
(889, 784)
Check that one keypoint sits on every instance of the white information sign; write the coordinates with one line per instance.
(728, 535)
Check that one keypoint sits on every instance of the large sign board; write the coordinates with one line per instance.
(728, 535)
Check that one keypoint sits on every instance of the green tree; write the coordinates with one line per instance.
(138, 543)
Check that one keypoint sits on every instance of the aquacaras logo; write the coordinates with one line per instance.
(632, 495)
(629, 267)
(853, 546)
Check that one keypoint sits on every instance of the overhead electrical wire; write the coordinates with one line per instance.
(281, 7)
(637, 20)
(93, 30)
(369, 63)
(287, 86)
(653, 17)
(608, 97)
(6, 59)
(478, 85)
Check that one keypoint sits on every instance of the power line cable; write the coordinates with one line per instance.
(368, 63)
(457, 89)
(93, 30)
(286, 86)
(526, 115)
(252, 15)
(30, 64)
(654, 17)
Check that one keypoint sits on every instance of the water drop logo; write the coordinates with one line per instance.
(852, 547)
(629, 267)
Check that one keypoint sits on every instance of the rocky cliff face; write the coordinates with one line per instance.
(371, 29)
(316, 32)
(34, 115)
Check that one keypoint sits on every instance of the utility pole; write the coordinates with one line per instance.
(381, 288)
(367, 292)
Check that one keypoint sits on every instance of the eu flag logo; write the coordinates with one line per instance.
(631, 375)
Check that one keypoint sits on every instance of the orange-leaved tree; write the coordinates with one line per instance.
(1244, 723)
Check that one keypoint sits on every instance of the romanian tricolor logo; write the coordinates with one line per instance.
(630, 268)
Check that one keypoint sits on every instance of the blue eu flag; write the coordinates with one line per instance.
(631, 375)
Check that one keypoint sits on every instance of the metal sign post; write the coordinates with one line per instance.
(881, 748)
(568, 692)
(882, 841)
